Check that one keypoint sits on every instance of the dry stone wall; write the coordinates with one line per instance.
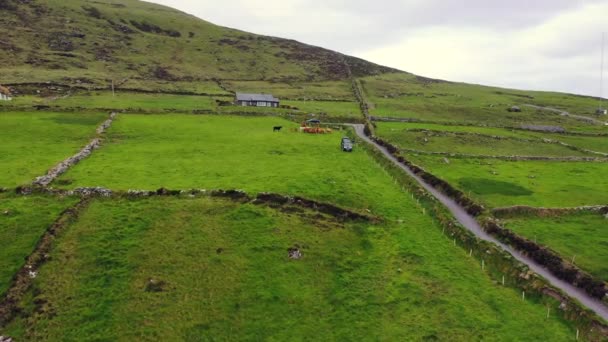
(549, 259)
(63, 166)
(500, 264)
(519, 210)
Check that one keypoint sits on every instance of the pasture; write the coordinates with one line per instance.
(499, 183)
(191, 268)
(327, 90)
(174, 86)
(331, 108)
(23, 220)
(31, 143)
(590, 141)
(408, 96)
(211, 152)
(472, 143)
(579, 236)
(134, 101)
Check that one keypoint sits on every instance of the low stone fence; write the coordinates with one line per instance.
(467, 203)
(506, 212)
(66, 164)
(508, 158)
(273, 200)
(499, 264)
(22, 280)
(277, 200)
(549, 259)
(63, 166)
(512, 157)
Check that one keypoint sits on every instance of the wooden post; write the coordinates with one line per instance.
(523, 295)
(548, 308)
(483, 265)
(470, 251)
(503, 280)
(113, 88)
(577, 334)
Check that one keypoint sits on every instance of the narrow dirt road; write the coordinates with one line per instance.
(471, 224)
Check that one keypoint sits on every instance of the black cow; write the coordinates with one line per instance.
(277, 128)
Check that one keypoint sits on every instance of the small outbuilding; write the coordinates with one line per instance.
(256, 100)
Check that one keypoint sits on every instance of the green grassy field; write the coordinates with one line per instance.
(136, 101)
(162, 103)
(333, 109)
(590, 142)
(471, 143)
(329, 90)
(23, 220)
(581, 236)
(222, 272)
(407, 95)
(498, 183)
(223, 266)
(186, 151)
(168, 86)
(31, 143)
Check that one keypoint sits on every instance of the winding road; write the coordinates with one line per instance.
(472, 225)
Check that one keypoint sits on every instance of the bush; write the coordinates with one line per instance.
(151, 28)
(92, 12)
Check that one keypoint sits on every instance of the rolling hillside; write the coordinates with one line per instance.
(91, 41)
(159, 209)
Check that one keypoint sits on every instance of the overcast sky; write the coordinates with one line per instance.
(527, 44)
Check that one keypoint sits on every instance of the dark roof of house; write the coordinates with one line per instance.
(256, 97)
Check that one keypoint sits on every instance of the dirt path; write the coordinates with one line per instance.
(564, 113)
(471, 224)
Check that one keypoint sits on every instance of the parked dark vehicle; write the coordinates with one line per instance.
(346, 145)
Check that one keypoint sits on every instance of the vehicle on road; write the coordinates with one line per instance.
(346, 145)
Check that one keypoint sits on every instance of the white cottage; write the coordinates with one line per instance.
(256, 100)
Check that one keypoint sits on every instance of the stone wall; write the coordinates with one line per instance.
(499, 264)
(63, 166)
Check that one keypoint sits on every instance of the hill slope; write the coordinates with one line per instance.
(91, 41)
